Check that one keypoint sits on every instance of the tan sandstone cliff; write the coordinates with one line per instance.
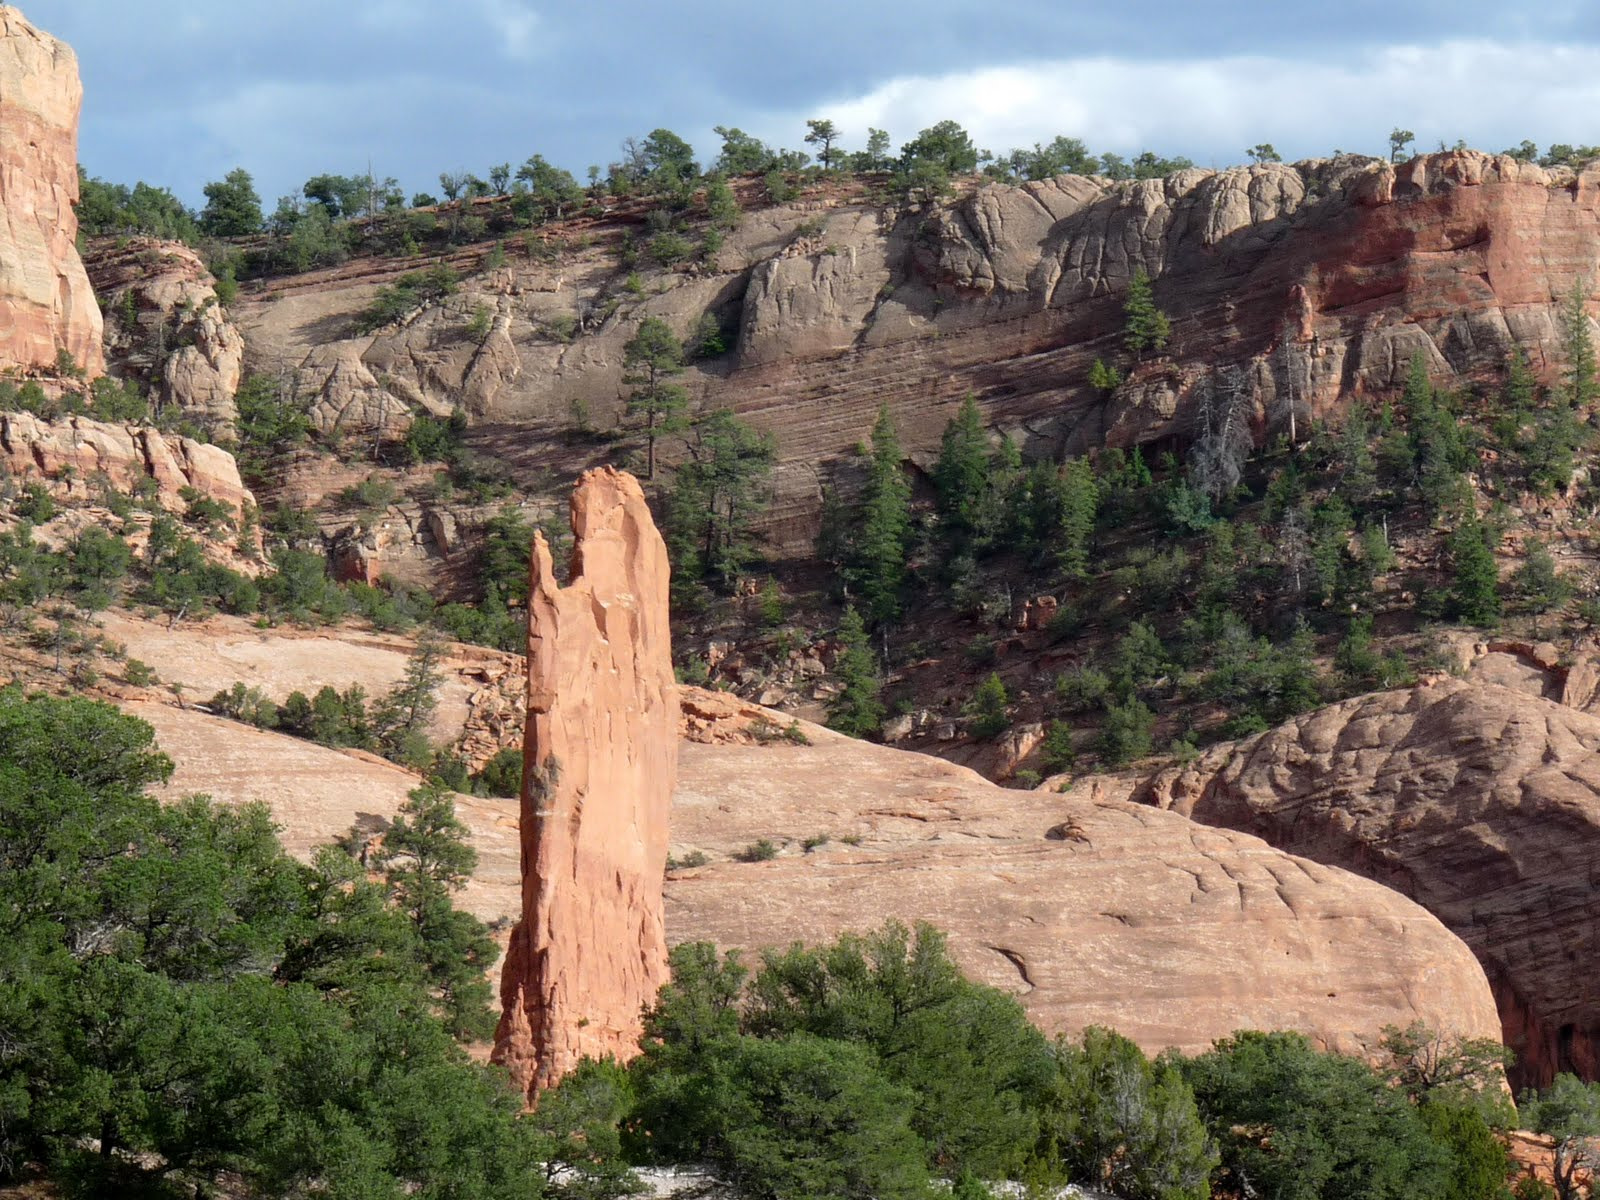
(46, 303)
(600, 754)
(1317, 281)
(1478, 800)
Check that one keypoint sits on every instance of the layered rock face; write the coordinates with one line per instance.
(72, 453)
(1479, 801)
(1316, 282)
(600, 758)
(1091, 910)
(167, 324)
(46, 303)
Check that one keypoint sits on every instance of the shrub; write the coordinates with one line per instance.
(761, 851)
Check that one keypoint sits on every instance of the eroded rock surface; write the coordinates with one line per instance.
(73, 453)
(46, 303)
(1091, 911)
(1479, 801)
(601, 756)
(167, 324)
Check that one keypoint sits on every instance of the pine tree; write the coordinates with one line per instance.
(716, 496)
(1580, 382)
(961, 475)
(878, 566)
(652, 356)
(1076, 516)
(1473, 595)
(1103, 378)
(856, 709)
(1145, 326)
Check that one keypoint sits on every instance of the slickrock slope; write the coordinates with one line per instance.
(600, 760)
(71, 452)
(167, 324)
(1317, 281)
(46, 303)
(1093, 912)
(1479, 801)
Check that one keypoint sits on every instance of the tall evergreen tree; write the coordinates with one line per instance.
(1581, 381)
(883, 534)
(1473, 595)
(650, 359)
(716, 496)
(961, 475)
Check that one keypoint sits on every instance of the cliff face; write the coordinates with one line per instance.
(600, 759)
(167, 325)
(46, 303)
(1479, 801)
(1317, 282)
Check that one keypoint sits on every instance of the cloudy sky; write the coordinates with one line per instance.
(181, 91)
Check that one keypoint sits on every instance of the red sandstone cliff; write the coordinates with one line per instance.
(600, 759)
(46, 303)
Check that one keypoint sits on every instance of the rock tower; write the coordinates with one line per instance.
(600, 757)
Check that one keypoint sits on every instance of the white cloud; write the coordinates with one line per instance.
(515, 23)
(1491, 94)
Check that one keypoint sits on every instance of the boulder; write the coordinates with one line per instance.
(601, 751)
(46, 303)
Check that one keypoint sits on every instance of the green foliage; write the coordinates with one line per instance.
(505, 554)
(1126, 733)
(716, 496)
(1580, 378)
(425, 859)
(113, 208)
(184, 995)
(1126, 1125)
(856, 708)
(501, 775)
(1103, 378)
(763, 850)
(233, 209)
(1539, 586)
(1473, 592)
(988, 708)
(1145, 327)
(650, 359)
(1569, 1111)
(1058, 752)
(270, 421)
(876, 567)
(412, 290)
(1298, 1123)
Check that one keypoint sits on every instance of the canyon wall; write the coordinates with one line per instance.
(600, 759)
(46, 303)
(1316, 282)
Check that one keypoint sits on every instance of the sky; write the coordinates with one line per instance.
(179, 92)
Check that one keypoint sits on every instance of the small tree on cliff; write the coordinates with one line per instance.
(1580, 379)
(1569, 1111)
(1145, 326)
(650, 359)
(232, 207)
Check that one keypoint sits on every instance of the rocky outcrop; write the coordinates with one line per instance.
(1090, 910)
(1315, 282)
(600, 758)
(46, 303)
(74, 453)
(1479, 801)
(168, 326)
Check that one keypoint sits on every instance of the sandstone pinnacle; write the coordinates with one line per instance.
(600, 760)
